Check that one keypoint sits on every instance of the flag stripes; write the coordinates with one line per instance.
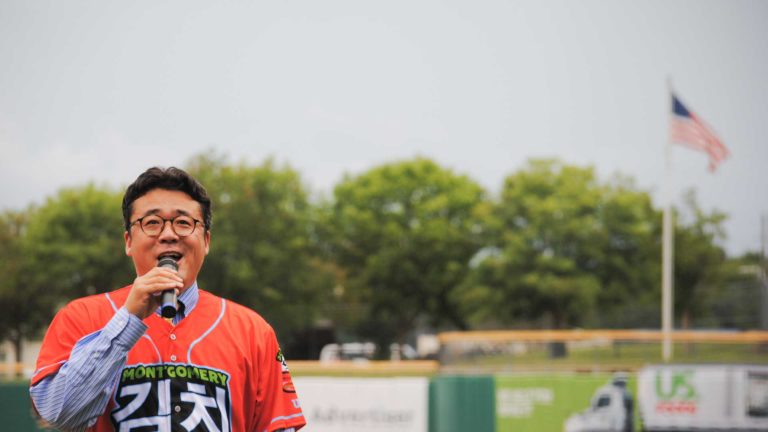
(688, 130)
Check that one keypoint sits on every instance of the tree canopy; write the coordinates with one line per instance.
(262, 250)
(69, 247)
(569, 249)
(402, 246)
(74, 243)
(405, 232)
(23, 310)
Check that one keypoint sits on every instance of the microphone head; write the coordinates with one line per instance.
(168, 262)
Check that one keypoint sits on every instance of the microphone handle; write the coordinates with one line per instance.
(168, 301)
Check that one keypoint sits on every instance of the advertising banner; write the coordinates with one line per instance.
(565, 402)
(704, 397)
(364, 404)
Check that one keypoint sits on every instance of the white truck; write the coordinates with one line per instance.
(712, 398)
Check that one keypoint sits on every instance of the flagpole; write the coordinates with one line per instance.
(667, 254)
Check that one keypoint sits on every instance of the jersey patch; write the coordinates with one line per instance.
(280, 358)
(287, 382)
(172, 398)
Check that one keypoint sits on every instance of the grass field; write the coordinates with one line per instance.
(617, 356)
(626, 356)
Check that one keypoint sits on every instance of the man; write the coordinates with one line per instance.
(110, 362)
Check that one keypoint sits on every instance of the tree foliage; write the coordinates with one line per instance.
(74, 244)
(404, 232)
(262, 254)
(403, 245)
(735, 300)
(699, 260)
(566, 246)
(23, 310)
(69, 247)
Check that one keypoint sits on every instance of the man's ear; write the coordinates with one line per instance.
(128, 241)
(207, 240)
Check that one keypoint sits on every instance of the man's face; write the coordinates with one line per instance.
(145, 250)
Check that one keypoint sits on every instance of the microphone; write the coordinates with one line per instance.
(168, 308)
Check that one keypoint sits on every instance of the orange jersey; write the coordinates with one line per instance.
(219, 369)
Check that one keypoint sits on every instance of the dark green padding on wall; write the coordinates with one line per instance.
(462, 403)
(16, 408)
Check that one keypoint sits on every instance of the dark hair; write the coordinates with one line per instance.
(172, 178)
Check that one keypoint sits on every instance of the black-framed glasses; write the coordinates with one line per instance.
(152, 225)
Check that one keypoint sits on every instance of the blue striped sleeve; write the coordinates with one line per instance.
(77, 395)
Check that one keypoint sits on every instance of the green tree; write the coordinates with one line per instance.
(699, 261)
(404, 233)
(630, 266)
(74, 244)
(734, 302)
(262, 254)
(23, 311)
(69, 247)
(568, 248)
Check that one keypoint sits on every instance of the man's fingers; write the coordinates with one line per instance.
(166, 272)
(160, 278)
(164, 287)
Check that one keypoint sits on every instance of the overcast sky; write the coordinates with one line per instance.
(101, 90)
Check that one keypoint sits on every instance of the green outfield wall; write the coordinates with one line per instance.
(480, 403)
(16, 408)
(543, 402)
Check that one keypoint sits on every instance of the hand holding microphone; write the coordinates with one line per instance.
(147, 292)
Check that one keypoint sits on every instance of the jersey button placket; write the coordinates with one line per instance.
(172, 336)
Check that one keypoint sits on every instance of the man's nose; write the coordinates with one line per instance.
(167, 233)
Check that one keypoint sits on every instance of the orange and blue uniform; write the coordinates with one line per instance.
(219, 369)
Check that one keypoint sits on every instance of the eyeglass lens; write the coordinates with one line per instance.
(181, 225)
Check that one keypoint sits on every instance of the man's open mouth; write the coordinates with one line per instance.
(172, 255)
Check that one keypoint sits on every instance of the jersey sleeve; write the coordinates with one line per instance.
(278, 404)
(68, 326)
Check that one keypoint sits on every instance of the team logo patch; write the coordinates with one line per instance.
(281, 359)
(172, 398)
(287, 383)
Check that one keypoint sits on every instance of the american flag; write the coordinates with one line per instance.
(687, 129)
